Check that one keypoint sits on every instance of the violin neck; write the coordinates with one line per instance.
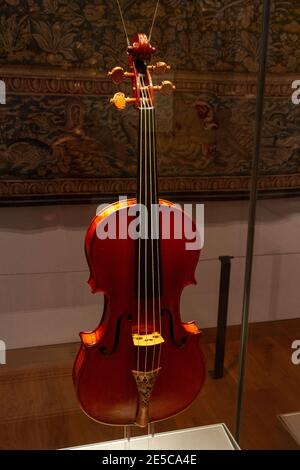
(147, 181)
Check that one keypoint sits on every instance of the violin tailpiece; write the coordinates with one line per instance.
(145, 382)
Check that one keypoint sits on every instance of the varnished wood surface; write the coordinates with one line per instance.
(39, 408)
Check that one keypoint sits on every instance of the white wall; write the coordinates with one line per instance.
(44, 297)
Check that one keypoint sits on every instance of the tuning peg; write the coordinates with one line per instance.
(118, 74)
(120, 100)
(166, 88)
(159, 67)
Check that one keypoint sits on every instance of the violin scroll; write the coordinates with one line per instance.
(141, 49)
(139, 54)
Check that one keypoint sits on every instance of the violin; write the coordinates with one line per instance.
(142, 363)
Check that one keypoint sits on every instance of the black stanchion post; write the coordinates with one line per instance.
(218, 371)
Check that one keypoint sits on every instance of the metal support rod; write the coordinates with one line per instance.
(218, 371)
(127, 435)
(151, 429)
(252, 213)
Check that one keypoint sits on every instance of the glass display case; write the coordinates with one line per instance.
(227, 144)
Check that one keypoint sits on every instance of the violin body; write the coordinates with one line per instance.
(102, 375)
(142, 363)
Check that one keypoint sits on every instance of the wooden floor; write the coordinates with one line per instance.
(39, 409)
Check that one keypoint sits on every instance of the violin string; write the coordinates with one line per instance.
(158, 234)
(154, 18)
(123, 22)
(145, 99)
(124, 25)
(139, 249)
(142, 131)
(153, 165)
(152, 226)
(146, 213)
(150, 111)
(142, 229)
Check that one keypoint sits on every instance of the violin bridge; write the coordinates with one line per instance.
(151, 339)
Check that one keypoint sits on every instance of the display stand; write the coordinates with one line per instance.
(127, 433)
(291, 422)
(213, 437)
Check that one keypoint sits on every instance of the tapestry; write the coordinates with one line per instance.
(61, 139)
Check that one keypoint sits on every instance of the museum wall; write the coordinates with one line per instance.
(44, 297)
